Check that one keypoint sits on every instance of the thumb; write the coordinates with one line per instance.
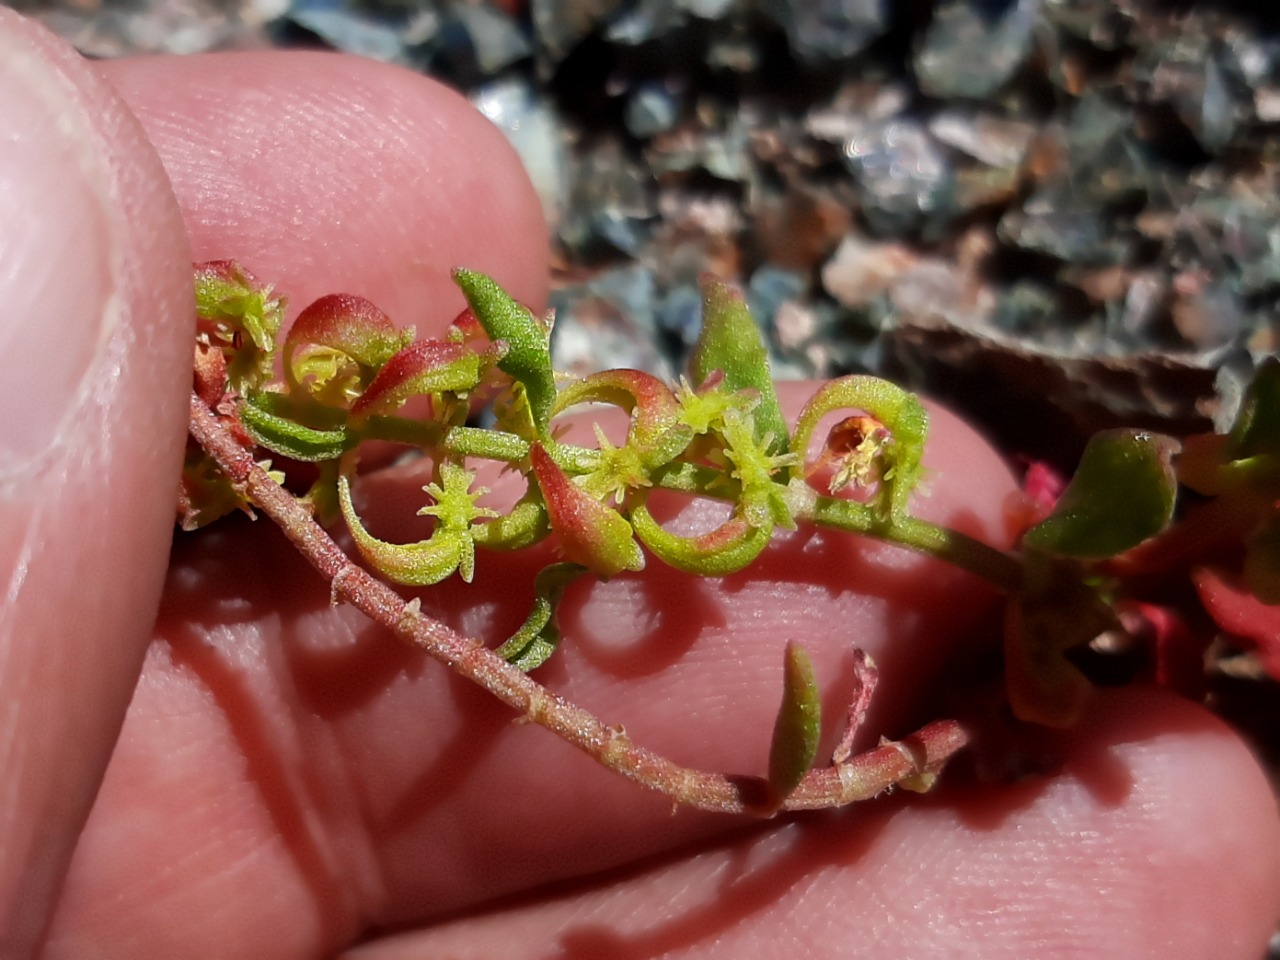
(95, 361)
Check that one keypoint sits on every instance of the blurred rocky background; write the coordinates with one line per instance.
(1058, 215)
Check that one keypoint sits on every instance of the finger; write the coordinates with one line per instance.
(330, 174)
(294, 767)
(95, 358)
(1128, 851)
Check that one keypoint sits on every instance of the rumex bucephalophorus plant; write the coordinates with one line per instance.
(343, 374)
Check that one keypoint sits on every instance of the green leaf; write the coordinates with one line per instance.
(896, 458)
(536, 640)
(1256, 431)
(724, 550)
(528, 358)
(655, 434)
(798, 725)
(429, 561)
(1122, 492)
(731, 342)
(268, 418)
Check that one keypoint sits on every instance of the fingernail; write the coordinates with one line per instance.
(56, 269)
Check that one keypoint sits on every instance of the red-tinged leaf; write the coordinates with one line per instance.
(727, 549)
(466, 328)
(210, 374)
(348, 323)
(797, 727)
(1200, 463)
(1121, 494)
(653, 406)
(1241, 614)
(1042, 486)
(238, 313)
(425, 367)
(591, 534)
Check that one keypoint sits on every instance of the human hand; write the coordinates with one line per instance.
(287, 779)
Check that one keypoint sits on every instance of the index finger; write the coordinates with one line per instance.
(325, 174)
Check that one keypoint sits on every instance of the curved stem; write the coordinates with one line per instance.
(1001, 569)
(906, 762)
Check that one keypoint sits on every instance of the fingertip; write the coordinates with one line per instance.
(1180, 862)
(337, 174)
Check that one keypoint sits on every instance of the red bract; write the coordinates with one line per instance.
(348, 323)
(1241, 614)
(1176, 653)
(466, 328)
(590, 533)
(425, 367)
(653, 407)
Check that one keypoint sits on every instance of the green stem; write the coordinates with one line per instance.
(1002, 570)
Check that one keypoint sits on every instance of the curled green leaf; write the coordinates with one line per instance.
(337, 345)
(528, 352)
(591, 533)
(653, 406)
(1122, 492)
(731, 342)
(450, 546)
(536, 640)
(895, 458)
(725, 550)
(269, 419)
(797, 727)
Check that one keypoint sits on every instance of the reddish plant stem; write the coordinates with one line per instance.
(866, 775)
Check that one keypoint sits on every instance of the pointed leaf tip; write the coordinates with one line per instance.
(528, 355)
(591, 533)
(731, 342)
(798, 726)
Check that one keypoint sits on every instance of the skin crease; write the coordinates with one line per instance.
(287, 780)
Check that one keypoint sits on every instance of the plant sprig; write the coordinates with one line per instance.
(348, 373)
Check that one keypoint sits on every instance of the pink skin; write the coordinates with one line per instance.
(287, 780)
